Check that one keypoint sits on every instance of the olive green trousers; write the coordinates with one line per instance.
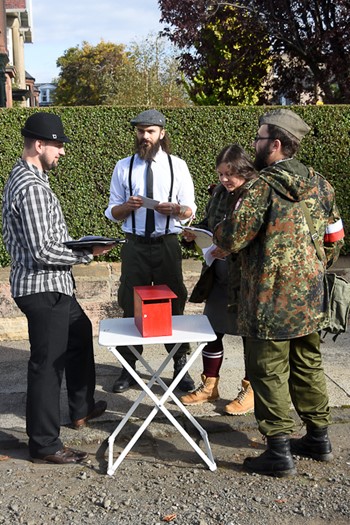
(285, 372)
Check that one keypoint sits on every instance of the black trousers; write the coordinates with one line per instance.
(60, 336)
(145, 264)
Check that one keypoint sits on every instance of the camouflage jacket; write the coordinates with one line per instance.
(282, 293)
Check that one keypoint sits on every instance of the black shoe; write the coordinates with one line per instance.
(124, 382)
(186, 384)
(275, 461)
(97, 411)
(62, 457)
(315, 444)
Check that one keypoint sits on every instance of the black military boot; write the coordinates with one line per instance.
(275, 461)
(186, 384)
(315, 444)
(124, 381)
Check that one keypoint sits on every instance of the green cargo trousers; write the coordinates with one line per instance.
(287, 371)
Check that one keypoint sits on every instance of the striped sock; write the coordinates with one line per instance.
(213, 355)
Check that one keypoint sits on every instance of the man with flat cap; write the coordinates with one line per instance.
(152, 254)
(282, 292)
(42, 285)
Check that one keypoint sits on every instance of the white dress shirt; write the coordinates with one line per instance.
(183, 190)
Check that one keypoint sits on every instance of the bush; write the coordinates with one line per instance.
(102, 135)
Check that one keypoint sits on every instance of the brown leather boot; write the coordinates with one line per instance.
(243, 403)
(206, 392)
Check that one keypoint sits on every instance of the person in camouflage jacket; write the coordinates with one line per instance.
(282, 291)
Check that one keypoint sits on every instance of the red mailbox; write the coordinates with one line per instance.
(152, 310)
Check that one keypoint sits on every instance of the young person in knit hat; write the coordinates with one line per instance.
(152, 254)
(282, 293)
(60, 333)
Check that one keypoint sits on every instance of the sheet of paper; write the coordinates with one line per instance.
(207, 254)
(204, 238)
(148, 203)
(195, 229)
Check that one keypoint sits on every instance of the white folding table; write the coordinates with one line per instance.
(185, 329)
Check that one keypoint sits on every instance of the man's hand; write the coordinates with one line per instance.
(189, 235)
(165, 208)
(134, 203)
(122, 211)
(174, 210)
(102, 250)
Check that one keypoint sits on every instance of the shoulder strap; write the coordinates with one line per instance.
(170, 191)
(130, 190)
(314, 234)
(313, 173)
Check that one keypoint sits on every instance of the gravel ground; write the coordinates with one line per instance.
(163, 480)
(162, 476)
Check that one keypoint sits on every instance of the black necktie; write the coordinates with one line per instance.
(150, 224)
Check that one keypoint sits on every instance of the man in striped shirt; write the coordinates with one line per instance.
(42, 285)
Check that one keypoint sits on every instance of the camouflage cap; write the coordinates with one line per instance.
(150, 117)
(287, 120)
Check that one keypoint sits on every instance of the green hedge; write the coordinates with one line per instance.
(102, 135)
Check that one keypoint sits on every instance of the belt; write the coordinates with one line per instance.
(148, 240)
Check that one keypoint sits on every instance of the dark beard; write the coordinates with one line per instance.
(261, 158)
(145, 151)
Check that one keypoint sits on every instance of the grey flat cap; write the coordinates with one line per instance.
(287, 120)
(150, 117)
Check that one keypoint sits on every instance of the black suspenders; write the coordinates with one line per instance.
(169, 197)
(170, 192)
(130, 189)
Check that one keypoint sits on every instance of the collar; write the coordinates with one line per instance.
(279, 161)
(43, 175)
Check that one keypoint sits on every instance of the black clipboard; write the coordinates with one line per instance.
(92, 240)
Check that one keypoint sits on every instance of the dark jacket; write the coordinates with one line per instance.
(215, 212)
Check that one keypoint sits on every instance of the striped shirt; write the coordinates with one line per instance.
(34, 229)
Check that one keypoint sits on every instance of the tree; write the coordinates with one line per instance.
(309, 41)
(86, 72)
(223, 60)
(110, 74)
(151, 77)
